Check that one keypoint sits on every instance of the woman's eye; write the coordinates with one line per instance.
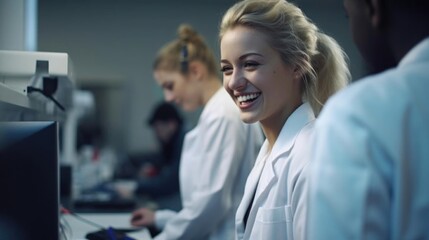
(169, 86)
(251, 64)
(226, 70)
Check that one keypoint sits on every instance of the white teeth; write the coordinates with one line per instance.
(244, 98)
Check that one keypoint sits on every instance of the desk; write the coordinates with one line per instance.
(77, 229)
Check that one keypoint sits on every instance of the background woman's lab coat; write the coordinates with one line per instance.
(279, 178)
(217, 157)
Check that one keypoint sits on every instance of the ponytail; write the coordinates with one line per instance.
(331, 70)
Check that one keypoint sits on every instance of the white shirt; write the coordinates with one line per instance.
(217, 157)
(279, 177)
(370, 175)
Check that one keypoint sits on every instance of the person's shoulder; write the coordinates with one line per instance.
(377, 103)
(368, 94)
(221, 106)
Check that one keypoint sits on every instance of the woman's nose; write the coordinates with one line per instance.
(169, 96)
(237, 81)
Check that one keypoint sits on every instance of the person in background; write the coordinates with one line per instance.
(155, 175)
(371, 160)
(159, 178)
(217, 154)
(279, 68)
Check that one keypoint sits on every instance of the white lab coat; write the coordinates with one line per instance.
(370, 174)
(279, 177)
(217, 157)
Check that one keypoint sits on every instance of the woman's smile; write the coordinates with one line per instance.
(247, 100)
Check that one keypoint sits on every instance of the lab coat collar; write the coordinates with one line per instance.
(418, 53)
(296, 121)
(211, 103)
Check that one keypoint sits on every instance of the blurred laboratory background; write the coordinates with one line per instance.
(110, 46)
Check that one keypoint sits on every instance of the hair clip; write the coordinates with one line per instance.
(184, 59)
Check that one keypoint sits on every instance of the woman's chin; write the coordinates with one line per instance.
(189, 107)
(247, 118)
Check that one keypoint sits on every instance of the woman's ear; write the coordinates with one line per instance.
(196, 70)
(297, 73)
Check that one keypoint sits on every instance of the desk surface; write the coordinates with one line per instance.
(76, 229)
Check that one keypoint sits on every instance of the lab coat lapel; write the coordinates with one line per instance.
(303, 115)
(252, 182)
(264, 184)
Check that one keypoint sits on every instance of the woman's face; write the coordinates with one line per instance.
(264, 87)
(179, 89)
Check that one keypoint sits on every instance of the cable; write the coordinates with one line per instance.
(66, 211)
(31, 89)
(64, 228)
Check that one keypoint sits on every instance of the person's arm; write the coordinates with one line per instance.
(145, 217)
(161, 217)
(167, 180)
(164, 183)
(348, 197)
(222, 144)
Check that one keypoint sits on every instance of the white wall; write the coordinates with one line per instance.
(113, 43)
(18, 20)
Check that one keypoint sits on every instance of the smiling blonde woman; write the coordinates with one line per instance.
(280, 70)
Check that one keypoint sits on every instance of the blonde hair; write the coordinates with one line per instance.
(189, 46)
(300, 43)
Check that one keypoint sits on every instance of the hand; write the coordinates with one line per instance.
(124, 192)
(148, 170)
(143, 217)
(125, 188)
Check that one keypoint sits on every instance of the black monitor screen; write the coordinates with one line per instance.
(29, 169)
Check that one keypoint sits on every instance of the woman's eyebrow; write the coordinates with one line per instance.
(243, 56)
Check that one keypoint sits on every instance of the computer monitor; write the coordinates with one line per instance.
(29, 180)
